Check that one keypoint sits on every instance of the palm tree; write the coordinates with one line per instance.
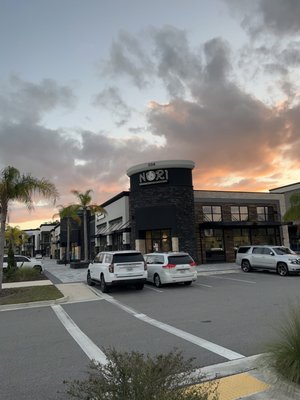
(15, 186)
(85, 205)
(15, 237)
(70, 213)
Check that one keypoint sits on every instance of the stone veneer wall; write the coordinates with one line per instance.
(182, 197)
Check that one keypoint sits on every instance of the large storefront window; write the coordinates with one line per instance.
(214, 245)
(212, 213)
(266, 236)
(158, 240)
(241, 237)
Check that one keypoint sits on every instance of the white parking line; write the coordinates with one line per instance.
(214, 348)
(201, 284)
(232, 279)
(152, 288)
(91, 350)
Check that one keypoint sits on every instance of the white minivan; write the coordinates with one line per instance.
(115, 268)
(173, 267)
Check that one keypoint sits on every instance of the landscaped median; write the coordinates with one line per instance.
(27, 292)
(26, 286)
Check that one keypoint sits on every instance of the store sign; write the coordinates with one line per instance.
(153, 176)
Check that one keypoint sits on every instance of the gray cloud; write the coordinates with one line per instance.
(127, 57)
(277, 17)
(111, 100)
(26, 101)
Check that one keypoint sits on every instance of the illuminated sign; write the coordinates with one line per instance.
(153, 176)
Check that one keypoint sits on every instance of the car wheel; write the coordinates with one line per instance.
(38, 268)
(139, 286)
(157, 281)
(187, 283)
(103, 285)
(89, 280)
(282, 269)
(246, 267)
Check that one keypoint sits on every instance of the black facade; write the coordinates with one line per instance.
(162, 206)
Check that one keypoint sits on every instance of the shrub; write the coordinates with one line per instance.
(134, 376)
(22, 274)
(282, 355)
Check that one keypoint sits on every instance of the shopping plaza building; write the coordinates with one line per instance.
(163, 212)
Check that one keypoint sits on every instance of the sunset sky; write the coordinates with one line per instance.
(90, 88)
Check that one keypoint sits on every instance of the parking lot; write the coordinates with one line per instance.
(225, 315)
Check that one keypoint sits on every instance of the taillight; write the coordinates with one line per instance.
(169, 266)
(111, 268)
(145, 266)
(193, 264)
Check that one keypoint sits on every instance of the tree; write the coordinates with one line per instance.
(85, 205)
(15, 237)
(293, 213)
(70, 213)
(15, 186)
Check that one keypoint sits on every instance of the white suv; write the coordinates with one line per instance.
(174, 267)
(272, 258)
(113, 268)
(23, 261)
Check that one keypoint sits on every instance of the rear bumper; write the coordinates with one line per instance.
(168, 278)
(124, 282)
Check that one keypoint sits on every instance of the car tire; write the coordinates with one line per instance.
(139, 286)
(38, 268)
(89, 280)
(103, 285)
(157, 281)
(187, 283)
(282, 269)
(246, 266)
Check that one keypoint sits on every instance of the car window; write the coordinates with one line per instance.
(258, 250)
(243, 249)
(182, 259)
(149, 259)
(127, 257)
(158, 259)
(98, 258)
(108, 258)
(268, 251)
(5, 259)
(283, 250)
(20, 259)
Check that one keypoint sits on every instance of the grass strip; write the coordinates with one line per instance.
(29, 294)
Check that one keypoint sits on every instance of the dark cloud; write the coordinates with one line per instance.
(127, 57)
(276, 17)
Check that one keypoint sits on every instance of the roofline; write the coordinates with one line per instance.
(285, 186)
(160, 164)
(125, 193)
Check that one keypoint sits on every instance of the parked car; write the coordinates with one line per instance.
(272, 258)
(175, 267)
(112, 268)
(38, 256)
(23, 261)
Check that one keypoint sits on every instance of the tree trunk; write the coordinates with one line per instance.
(3, 216)
(68, 240)
(85, 235)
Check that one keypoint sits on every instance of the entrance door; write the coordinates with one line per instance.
(214, 245)
(158, 240)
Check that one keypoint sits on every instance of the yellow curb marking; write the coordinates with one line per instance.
(236, 386)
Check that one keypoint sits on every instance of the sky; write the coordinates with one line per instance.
(90, 88)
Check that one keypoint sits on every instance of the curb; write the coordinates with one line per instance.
(33, 304)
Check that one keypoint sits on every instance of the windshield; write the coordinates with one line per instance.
(129, 257)
(283, 250)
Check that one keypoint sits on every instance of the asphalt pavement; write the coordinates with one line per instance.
(238, 379)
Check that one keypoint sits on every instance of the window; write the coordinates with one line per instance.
(212, 213)
(239, 213)
(265, 213)
(258, 250)
(130, 257)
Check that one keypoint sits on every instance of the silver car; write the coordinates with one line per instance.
(23, 261)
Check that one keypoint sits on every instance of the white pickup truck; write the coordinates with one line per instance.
(279, 259)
